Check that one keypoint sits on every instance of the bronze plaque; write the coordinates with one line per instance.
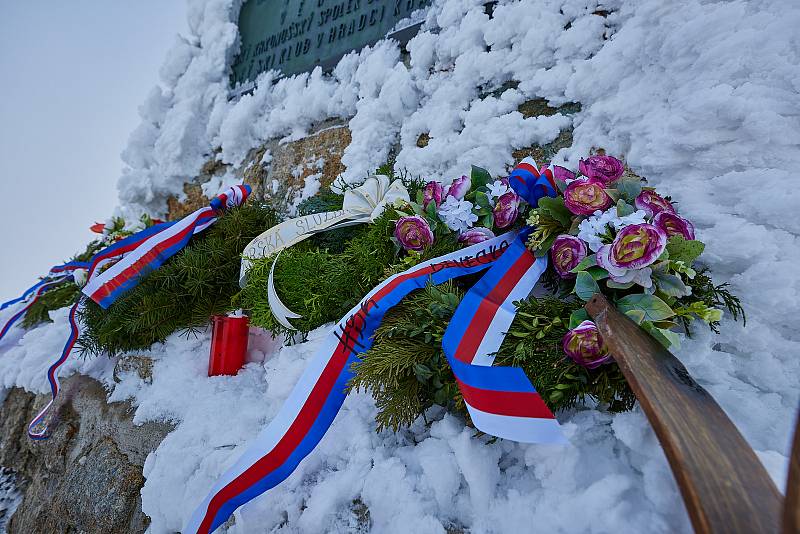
(294, 36)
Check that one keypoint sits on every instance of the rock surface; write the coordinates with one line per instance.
(95, 450)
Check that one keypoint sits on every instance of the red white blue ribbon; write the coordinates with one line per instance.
(136, 255)
(501, 400)
(106, 287)
(57, 275)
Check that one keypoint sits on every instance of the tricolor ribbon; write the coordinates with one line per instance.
(501, 400)
(57, 275)
(154, 248)
(135, 256)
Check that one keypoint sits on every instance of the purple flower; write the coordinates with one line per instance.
(635, 247)
(585, 196)
(506, 209)
(413, 233)
(604, 168)
(476, 235)
(459, 187)
(652, 203)
(674, 224)
(585, 346)
(567, 252)
(433, 191)
(562, 173)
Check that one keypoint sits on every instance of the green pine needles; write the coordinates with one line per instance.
(320, 283)
(406, 370)
(63, 295)
(182, 294)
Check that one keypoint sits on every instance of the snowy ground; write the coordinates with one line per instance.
(701, 97)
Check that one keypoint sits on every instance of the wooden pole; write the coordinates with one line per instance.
(791, 506)
(724, 485)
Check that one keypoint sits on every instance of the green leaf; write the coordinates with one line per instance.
(577, 317)
(598, 273)
(624, 209)
(653, 307)
(422, 371)
(480, 177)
(682, 250)
(667, 338)
(488, 220)
(616, 285)
(556, 208)
(636, 315)
(588, 261)
(482, 200)
(430, 211)
(671, 285)
(585, 286)
(629, 188)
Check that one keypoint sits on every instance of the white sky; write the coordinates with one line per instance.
(72, 76)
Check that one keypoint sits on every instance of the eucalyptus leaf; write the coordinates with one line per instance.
(616, 285)
(585, 286)
(636, 315)
(629, 188)
(653, 307)
(624, 209)
(671, 285)
(588, 261)
(658, 334)
(598, 273)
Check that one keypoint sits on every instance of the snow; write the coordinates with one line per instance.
(701, 97)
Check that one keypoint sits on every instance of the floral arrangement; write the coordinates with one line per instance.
(605, 232)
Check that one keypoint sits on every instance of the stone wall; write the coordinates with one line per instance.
(282, 173)
(95, 451)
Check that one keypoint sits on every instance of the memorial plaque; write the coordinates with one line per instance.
(294, 36)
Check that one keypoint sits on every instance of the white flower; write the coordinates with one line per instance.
(496, 190)
(457, 214)
(594, 227)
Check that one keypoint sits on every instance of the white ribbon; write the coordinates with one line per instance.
(361, 205)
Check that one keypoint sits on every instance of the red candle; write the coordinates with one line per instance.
(228, 344)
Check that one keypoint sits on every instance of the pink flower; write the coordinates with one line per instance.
(562, 173)
(567, 252)
(413, 233)
(585, 346)
(585, 196)
(604, 168)
(673, 224)
(433, 191)
(652, 203)
(635, 246)
(476, 235)
(459, 187)
(506, 210)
